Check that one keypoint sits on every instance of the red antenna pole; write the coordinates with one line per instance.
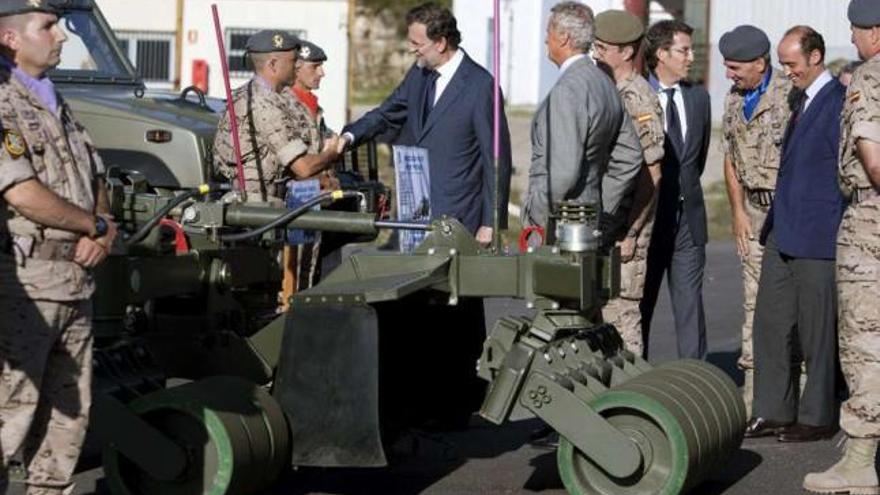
(230, 106)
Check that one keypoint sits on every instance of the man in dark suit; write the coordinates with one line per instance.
(797, 293)
(678, 243)
(445, 105)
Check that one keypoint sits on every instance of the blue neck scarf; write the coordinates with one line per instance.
(751, 99)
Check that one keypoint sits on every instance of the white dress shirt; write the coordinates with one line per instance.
(446, 72)
(817, 85)
(679, 105)
(569, 61)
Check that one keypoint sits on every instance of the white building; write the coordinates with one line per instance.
(148, 31)
(527, 75)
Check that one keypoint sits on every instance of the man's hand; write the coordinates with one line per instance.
(90, 252)
(328, 181)
(484, 235)
(742, 233)
(627, 248)
(344, 143)
(332, 148)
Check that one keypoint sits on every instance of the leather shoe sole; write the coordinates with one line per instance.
(807, 433)
(760, 427)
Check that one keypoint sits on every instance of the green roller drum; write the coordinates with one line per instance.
(235, 436)
(686, 418)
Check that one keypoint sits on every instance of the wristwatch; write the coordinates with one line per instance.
(100, 227)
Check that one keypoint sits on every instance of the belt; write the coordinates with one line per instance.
(760, 197)
(46, 249)
(863, 194)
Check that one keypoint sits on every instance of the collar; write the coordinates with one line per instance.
(570, 61)
(41, 87)
(263, 83)
(307, 98)
(448, 69)
(659, 87)
(817, 85)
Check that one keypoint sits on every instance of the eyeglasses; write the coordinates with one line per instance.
(686, 52)
(418, 47)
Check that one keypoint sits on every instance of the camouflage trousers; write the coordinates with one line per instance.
(751, 265)
(858, 286)
(45, 389)
(623, 311)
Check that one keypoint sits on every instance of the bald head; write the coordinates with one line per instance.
(802, 55)
(276, 68)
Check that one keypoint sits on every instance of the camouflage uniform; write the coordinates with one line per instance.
(45, 329)
(278, 137)
(858, 259)
(302, 266)
(644, 108)
(754, 148)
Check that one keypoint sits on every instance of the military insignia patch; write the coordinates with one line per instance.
(14, 144)
(34, 3)
(278, 40)
(644, 118)
(854, 97)
(305, 52)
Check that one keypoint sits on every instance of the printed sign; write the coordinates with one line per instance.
(413, 181)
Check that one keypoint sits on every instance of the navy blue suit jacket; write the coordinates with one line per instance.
(458, 137)
(808, 206)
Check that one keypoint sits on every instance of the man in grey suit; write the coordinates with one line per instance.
(581, 135)
(678, 244)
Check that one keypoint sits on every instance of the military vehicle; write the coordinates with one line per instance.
(201, 386)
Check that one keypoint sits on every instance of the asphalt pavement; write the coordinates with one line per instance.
(488, 459)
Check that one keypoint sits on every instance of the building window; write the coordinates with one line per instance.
(152, 54)
(236, 42)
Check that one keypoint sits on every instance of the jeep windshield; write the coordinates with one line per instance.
(91, 53)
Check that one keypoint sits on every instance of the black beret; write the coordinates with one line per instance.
(15, 7)
(272, 40)
(618, 27)
(864, 13)
(744, 44)
(310, 52)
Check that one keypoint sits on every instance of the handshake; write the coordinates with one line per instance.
(336, 145)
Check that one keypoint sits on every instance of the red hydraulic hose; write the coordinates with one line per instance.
(230, 106)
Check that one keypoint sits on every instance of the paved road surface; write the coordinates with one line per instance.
(499, 460)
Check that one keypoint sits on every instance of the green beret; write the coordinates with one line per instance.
(864, 13)
(618, 27)
(310, 52)
(15, 7)
(744, 44)
(272, 40)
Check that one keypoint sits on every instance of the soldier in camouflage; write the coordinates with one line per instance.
(756, 111)
(618, 36)
(274, 144)
(55, 228)
(302, 264)
(858, 266)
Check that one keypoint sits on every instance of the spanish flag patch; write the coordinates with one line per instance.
(14, 143)
(644, 118)
(854, 97)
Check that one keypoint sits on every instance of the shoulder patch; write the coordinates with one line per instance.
(14, 143)
(854, 97)
(644, 118)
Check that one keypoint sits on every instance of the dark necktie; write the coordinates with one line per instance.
(430, 93)
(798, 100)
(673, 124)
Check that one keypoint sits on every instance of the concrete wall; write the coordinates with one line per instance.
(324, 22)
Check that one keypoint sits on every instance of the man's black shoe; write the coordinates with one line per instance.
(760, 427)
(807, 433)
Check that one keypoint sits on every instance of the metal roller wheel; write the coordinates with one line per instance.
(234, 434)
(686, 420)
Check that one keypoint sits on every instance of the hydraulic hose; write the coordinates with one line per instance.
(291, 215)
(163, 212)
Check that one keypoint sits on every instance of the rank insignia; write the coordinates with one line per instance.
(35, 3)
(14, 144)
(305, 52)
(854, 97)
(644, 118)
(278, 40)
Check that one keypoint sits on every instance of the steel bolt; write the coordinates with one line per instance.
(452, 252)
(547, 399)
(431, 251)
(542, 389)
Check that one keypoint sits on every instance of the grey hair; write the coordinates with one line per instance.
(575, 20)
